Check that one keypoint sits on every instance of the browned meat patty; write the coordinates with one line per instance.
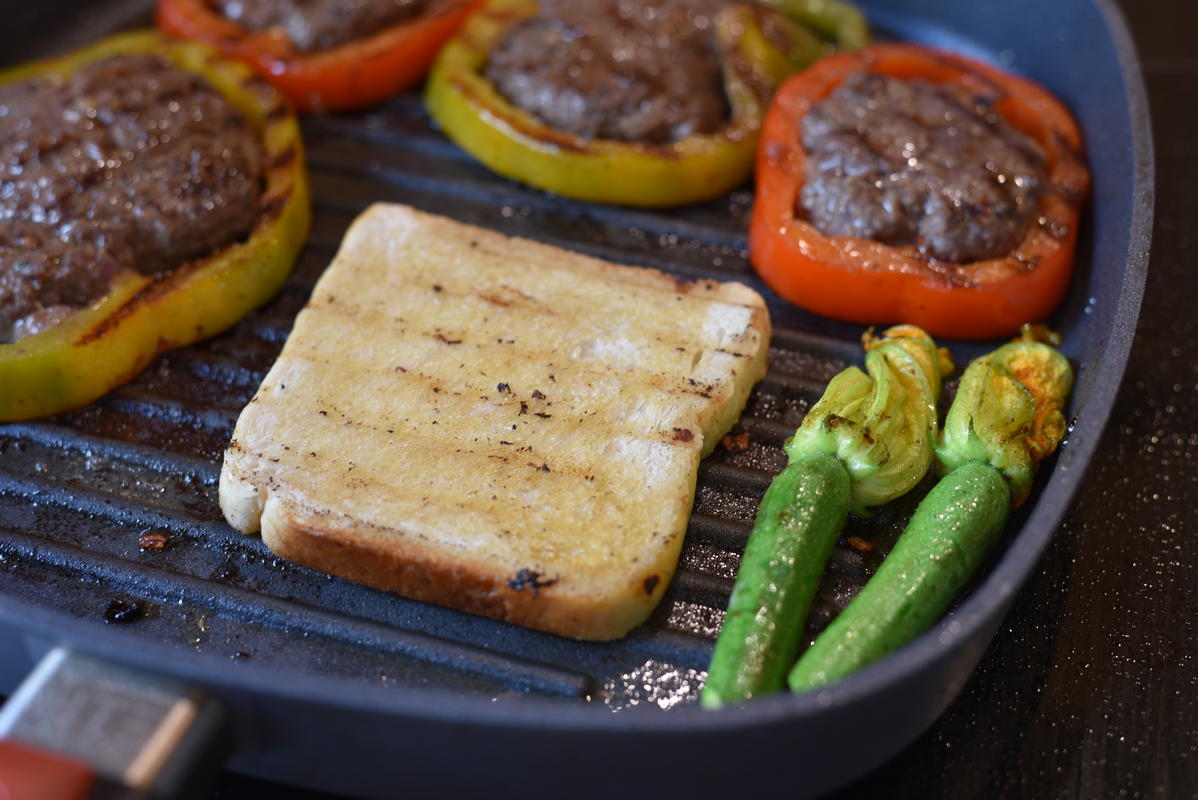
(320, 24)
(131, 163)
(615, 69)
(906, 162)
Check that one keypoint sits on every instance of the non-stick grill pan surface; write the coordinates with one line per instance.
(340, 687)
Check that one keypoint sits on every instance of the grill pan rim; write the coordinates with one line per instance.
(986, 603)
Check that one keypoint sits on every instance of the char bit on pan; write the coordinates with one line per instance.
(859, 545)
(122, 611)
(152, 540)
(735, 442)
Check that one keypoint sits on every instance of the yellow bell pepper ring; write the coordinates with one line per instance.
(697, 167)
(98, 348)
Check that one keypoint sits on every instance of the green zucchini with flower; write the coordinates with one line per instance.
(1007, 416)
(866, 442)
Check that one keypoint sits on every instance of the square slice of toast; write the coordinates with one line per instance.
(493, 424)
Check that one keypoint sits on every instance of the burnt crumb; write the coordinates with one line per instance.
(530, 579)
(226, 572)
(859, 545)
(121, 611)
(683, 434)
(539, 468)
(537, 395)
(401, 369)
(504, 388)
(553, 379)
(153, 540)
(542, 415)
(474, 242)
(443, 338)
(437, 287)
(701, 389)
(513, 427)
(735, 443)
(523, 410)
(502, 441)
(322, 413)
(651, 583)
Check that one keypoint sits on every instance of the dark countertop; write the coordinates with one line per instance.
(1090, 688)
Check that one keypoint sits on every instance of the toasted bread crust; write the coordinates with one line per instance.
(493, 424)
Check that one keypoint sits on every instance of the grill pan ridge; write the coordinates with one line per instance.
(313, 664)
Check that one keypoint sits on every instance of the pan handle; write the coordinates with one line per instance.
(81, 727)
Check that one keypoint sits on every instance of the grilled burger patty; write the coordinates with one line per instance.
(131, 163)
(906, 162)
(320, 24)
(615, 69)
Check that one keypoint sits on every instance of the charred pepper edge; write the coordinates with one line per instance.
(356, 74)
(516, 144)
(107, 344)
(864, 281)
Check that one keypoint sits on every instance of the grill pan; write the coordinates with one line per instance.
(339, 687)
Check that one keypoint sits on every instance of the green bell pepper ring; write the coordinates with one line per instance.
(841, 23)
(696, 167)
(100, 347)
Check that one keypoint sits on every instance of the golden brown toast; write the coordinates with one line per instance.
(493, 424)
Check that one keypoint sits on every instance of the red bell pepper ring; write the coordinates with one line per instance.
(352, 75)
(864, 281)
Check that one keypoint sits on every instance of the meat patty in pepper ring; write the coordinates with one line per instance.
(131, 163)
(655, 103)
(156, 194)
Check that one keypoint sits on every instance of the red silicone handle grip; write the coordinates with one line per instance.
(27, 773)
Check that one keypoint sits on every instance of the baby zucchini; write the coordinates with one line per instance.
(867, 441)
(1007, 417)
